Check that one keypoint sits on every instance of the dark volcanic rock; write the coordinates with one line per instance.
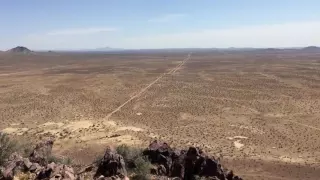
(185, 164)
(112, 164)
(167, 163)
(35, 166)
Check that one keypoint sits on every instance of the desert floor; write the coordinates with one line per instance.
(259, 111)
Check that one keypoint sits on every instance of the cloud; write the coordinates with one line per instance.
(80, 31)
(294, 34)
(272, 35)
(79, 38)
(167, 18)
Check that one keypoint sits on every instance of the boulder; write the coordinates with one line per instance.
(57, 171)
(229, 175)
(12, 166)
(41, 152)
(184, 164)
(35, 167)
(27, 163)
(111, 165)
(177, 167)
(210, 168)
(157, 151)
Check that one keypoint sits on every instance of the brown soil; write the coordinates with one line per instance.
(260, 111)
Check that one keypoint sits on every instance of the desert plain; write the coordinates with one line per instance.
(259, 111)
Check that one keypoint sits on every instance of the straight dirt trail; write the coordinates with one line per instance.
(149, 85)
(304, 125)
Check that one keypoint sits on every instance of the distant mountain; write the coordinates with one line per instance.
(107, 49)
(230, 49)
(20, 49)
(311, 49)
(100, 50)
(103, 49)
(269, 50)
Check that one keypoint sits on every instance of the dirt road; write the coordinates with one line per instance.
(150, 85)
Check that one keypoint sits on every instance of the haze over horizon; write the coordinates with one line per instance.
(146, 24)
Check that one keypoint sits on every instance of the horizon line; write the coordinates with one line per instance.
(125, 49)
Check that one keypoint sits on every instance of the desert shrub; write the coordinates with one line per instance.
(60, 160)
(142, 169)
(54, 159)
(24, 148)
(135, 162)
(67, 161)
(129, 153)
(7, 147)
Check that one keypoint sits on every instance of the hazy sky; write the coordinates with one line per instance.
(81, 24)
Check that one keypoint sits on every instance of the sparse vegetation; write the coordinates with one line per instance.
(61, 160)
(136, 164)
(129, 153)
(142, 169)
(54, 159)
(7, 147)
(67, 161)
(24, 147)
(213, 101)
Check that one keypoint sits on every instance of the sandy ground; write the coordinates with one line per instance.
(259, 111)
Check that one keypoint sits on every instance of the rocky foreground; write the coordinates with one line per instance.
(159, 160)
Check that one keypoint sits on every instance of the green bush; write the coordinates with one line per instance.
(7, 147)
(129, 153)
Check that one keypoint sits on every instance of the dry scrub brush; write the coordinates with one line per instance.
(136, 164)
(7, 147)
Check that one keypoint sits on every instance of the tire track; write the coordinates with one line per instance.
(258, 176)
(31, 71)
(300, 124)
(149, 85)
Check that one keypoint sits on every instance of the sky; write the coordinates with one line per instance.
(151, 24)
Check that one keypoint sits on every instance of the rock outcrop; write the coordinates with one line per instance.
(185, 164)
(112, 165)
(36, 166)
(41, 152)
(168, 163)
